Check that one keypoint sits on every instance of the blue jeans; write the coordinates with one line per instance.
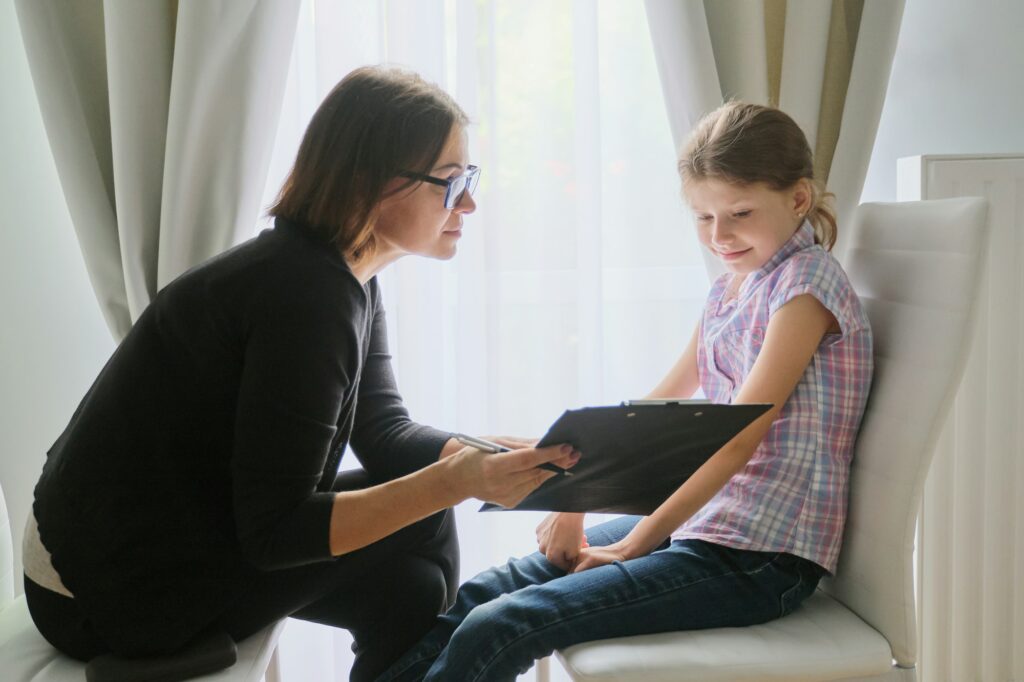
(507, 617)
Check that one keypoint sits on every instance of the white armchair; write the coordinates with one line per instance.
(26, 657)
(916, 267)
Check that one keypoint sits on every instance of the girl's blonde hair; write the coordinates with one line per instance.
(745, 143)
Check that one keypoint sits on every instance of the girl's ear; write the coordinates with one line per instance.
(800, 199)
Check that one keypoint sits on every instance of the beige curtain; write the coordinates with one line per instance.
(161, 118)
(825, 63)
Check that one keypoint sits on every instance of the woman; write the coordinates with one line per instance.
(194, 490)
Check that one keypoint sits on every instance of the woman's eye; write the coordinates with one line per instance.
(741, 214)
(703, 218)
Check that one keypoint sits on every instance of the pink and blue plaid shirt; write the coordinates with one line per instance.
(791, 496)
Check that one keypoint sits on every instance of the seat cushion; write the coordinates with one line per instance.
(26, 657)
(822, 640)
(24, 654)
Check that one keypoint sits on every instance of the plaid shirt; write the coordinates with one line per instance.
(791, 496)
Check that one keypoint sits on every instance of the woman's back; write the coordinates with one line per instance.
(157, 464)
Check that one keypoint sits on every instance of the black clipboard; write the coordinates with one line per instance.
(634, 455)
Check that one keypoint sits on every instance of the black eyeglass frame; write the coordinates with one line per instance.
(456, 187)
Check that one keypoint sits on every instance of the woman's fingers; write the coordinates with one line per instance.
(530, 458)
(568, 461)
(514, 442)
(505, 478)
(520, 484)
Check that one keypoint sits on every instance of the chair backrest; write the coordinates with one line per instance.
(6, 555)
(916, 267)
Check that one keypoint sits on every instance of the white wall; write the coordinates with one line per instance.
(956, 87)
(53, 340)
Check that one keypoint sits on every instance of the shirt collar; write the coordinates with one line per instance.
(802, 239)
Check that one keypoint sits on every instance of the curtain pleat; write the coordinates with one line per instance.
(869, 79)
(803, 65)
(739, 42)
(842, 42)
(161, 120)
(774, 40)
(67, 58)
(686, 62)
(140, 50)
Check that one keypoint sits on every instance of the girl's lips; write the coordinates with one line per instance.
(731, 255)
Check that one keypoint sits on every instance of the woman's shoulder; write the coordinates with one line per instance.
(284, 265)
(269, 278)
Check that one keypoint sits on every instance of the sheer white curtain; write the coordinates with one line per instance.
(578, 280)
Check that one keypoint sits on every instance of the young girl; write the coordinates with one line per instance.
(748, 536)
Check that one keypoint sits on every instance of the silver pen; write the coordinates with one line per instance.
(488, 446)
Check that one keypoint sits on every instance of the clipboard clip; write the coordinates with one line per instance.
(663, 401)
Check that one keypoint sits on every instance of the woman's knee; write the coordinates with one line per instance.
(439, 544)
(422, 588)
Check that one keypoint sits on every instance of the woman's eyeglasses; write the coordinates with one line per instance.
(457, 187)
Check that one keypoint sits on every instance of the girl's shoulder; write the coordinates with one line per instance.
(811, 267)
(815, 271)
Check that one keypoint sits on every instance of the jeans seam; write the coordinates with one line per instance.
(634, 602)
(411, 664)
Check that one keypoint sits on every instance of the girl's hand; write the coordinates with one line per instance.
(560, 538)
(592, 557)
(503, 478)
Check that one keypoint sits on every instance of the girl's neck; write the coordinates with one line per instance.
(732, 289)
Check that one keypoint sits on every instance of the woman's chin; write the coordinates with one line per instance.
(443, 252)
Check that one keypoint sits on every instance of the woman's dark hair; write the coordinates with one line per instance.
(376, 123)
(748, 143)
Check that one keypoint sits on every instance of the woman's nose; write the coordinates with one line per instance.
(467, 204)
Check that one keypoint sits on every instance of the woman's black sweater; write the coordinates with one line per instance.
(206, 449)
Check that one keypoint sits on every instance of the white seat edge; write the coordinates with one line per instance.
(832, 642)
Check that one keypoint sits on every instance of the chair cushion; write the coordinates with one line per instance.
(822, 640)
(24, 654)
(26, 657)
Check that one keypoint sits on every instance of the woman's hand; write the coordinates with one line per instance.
(517, 443)
(504, 478)
(513, 442)
(592, 557)
(560, 538)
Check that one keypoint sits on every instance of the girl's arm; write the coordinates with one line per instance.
(682, 380)
(560, 535)
(791, 339)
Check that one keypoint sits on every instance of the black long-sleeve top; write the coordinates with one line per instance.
(206, 449)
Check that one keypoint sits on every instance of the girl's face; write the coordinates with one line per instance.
(745, 225)
(415, 221)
